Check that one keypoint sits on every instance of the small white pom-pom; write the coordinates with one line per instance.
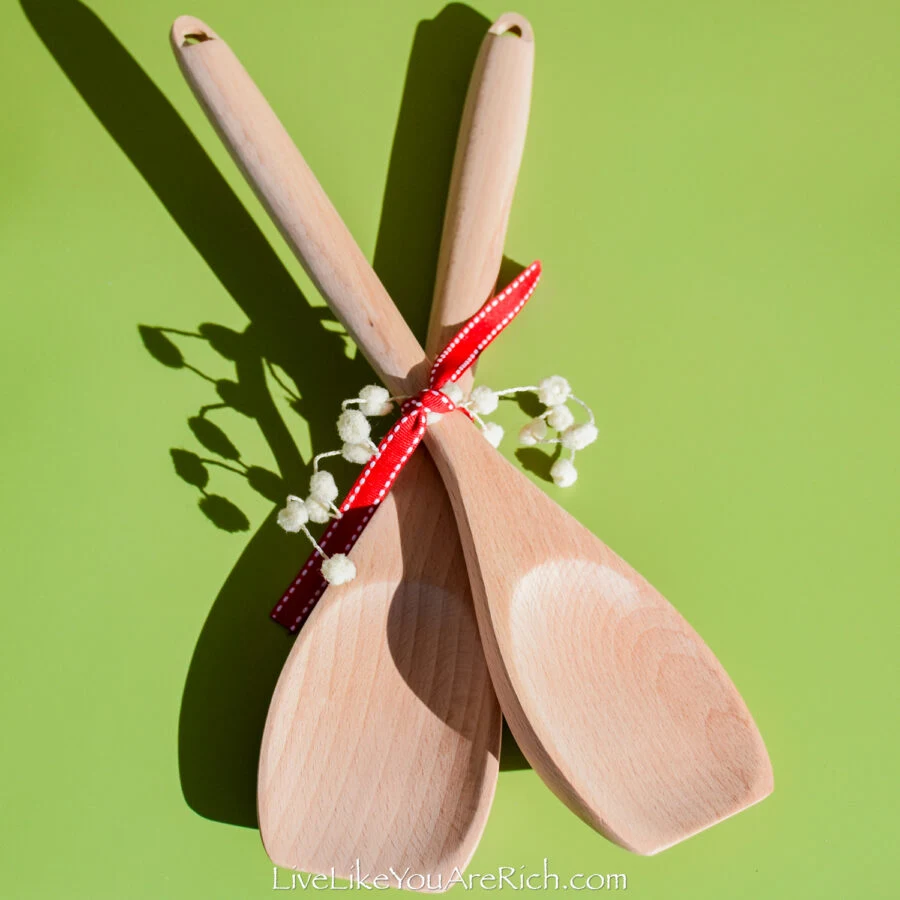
(560, 417)
(577, 437)
(294, 515)
(483, 400)
(375, 400)
(356, 453)
(322, 487)
(353, 426)
(564, 473)
(339, 569)
(554, 390)
(318, 512)
(453, 391)
(532, 433)
(493, 433)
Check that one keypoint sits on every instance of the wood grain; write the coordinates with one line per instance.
(383, 736)
(617, 704)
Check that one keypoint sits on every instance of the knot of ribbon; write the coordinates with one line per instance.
(395, 448)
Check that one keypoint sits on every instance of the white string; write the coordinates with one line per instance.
(322, 456)
(516, 390)
(314, 542)
(585, 407)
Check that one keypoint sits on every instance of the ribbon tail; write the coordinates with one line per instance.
(299, 600)
(357, 508)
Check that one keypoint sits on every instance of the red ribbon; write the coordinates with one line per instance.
(399, 443)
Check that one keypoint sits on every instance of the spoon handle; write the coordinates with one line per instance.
(485, 168)
(296, 202)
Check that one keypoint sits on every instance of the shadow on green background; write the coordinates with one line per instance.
(239, 653)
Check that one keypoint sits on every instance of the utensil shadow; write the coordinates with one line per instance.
(240, 652)
(438, 666)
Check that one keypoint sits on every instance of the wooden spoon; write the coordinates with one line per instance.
(383, 735)
(614, 699)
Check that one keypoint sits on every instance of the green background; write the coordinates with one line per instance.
(713, 191)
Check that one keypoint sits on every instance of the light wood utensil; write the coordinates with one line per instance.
(383, 736)
(614, 699)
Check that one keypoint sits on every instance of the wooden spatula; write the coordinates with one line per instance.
(383, 735)
(614, 699)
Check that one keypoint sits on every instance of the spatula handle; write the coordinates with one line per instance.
(288, 189)
(485, 169)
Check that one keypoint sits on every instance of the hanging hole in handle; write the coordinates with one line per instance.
(512, 25)
(188, 31)
(190, 39)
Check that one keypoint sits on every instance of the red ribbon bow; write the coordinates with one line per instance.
(399, 443)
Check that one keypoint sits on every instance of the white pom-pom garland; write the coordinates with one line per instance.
(577, 437)
(375, 400)
(452, 390)
(357, 453)
(493, 433)
(564, 473)
(338, 569)
(322, 487)
(294, 515)
(533, 433)
(353, 427)
(560, 417)
(554, 390)
(483, 401)
(318, 512)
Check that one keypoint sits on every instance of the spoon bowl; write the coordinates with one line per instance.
(613, 698)
(383, 735)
